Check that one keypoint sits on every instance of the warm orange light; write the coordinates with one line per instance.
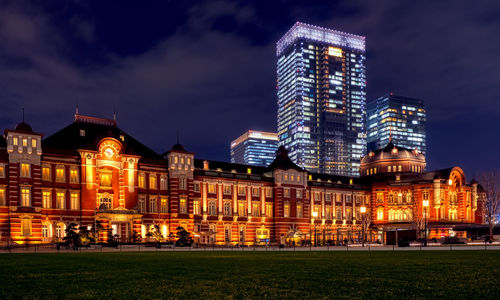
(425, 203)
(315, 214)
(362, 209)
(450, 182)
(335, 51)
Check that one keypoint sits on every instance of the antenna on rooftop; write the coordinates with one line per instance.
(76, 109)
(114, 112)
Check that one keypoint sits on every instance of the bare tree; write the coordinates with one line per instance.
(490, 184)
(416, 215)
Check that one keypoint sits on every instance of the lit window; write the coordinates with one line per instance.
(73, 176)
(196, 207)
(46, 173)
(183, 205)
(299, 210)
(25, 142)
(163, 182)
(2, 196)
(106, 179)
(25, 196)
(227, 208)
(241, 208)
(380, 214)
(196, 187)
(60, 230)
(269, 192)
(286, 212)
(255, 192)
(269, 210)
(142, 180)
(25, 170)
(212, 208)
(152, 181)
(2, 171)
(141, 204)
(182, 183)
(15, 141)
(328, 213)
(298, 193)
(60, 174)
(33, 143)
(286, 192)
(60, 200)
(82, 132)
(164, 204)
(400, 168)
(26, 226)
(74, 201)
(241, 190)
(255, 209)
(46, 199)
(227, 190)
(211, 188)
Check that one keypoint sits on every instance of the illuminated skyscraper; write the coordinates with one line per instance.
(402, 116)
(322, 98)
(257, 148)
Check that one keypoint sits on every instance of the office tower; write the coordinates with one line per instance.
(257, 148)
(322, 98)
(403, 117)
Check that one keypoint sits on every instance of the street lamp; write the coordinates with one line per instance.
(425, 204)
(362, 209)
(315, 215)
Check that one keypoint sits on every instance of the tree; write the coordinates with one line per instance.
(417, 217)
(490, 185)
(72, 235)
(86, 236)
(155, 233)
(184, 238)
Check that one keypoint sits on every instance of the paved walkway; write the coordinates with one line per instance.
(142, 248)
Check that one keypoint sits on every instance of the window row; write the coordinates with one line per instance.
(152, 181)
(156, 204)
(60, 173)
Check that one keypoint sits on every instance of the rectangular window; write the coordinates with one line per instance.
(212, 208)
(183, 205)
(182, 183)
(46, 173)
(25, 196)
(26, 227)
(25, 142)
(60, 200)
(338, 213)
(269, 192)
(317, 197)
(328, 197)
(2, 196)
(164, 204)
(286, 192)
(328, 213)
(60, 174)
(211, 188)
(241, 208)
(152, 181)
(141, 204)
(73, 176)
(152, 204)
(227, 190)
(298, 194)
(33, 143)
(46, 199)
(348, 198)
(142, 181)
(269, 210)
(255, 192)
(25, 170)
(2, 171)
(227, 208)
(15, 141)
(196, 187)
(74, 200)
(241, 191)
(196, 207)
(255, 209)
(286, 210)
(299, 210)
(163, 182)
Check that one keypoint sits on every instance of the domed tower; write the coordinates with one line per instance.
(392, 159)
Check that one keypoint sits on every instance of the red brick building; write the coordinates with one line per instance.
(92, 171)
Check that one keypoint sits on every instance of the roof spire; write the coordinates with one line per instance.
(76, 109)
(390, 134)
(114, 113)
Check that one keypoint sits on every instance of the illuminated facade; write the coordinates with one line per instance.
(256, 148)
(402, 117)
(92, 171)
(322, 98)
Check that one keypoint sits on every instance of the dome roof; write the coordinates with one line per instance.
(178, 147)
(24, 127)
(392, 152)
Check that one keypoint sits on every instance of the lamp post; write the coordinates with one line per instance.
(425, 204)
(362, 209)
(315, 215)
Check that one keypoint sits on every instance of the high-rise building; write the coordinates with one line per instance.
(322, 98)
(257, 148)
(402, 117)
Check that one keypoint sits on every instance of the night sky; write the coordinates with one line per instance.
(208, 69)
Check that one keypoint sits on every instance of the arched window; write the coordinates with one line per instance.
(60, 227)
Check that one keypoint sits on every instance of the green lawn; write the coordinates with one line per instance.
(412, 274)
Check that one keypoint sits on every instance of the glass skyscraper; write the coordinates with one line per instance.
(322, 98)
(403, 117)
(257, 148)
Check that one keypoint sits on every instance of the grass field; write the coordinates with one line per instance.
(403, 275)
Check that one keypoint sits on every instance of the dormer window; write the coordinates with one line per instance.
(82, 132)
(122, 137)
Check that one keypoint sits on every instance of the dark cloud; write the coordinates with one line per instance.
(207, 68)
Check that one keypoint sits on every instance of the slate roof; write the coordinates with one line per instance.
(68, 140)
